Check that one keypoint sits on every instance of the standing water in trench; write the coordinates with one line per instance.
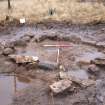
(10, 85)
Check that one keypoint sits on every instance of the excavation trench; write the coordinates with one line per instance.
(83, 47)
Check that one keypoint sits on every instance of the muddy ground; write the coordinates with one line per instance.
(87, 42)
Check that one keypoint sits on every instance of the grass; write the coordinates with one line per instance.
(60, 10)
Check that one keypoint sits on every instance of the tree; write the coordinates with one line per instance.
(9, 4)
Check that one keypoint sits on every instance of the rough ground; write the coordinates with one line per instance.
(28, 40)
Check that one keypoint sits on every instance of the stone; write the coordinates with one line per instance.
(47, 65)
(1, 49)
(93, 69)
(26, 38)
(82, 82)
(60, 86)
(24, 59)
(8, 51)
(88, 42)
(89, 82)
(31, 35)
(83, 61)
(7, 44)
(100, 44)
(72, 38)
(99, 61)
(20, 42)
(86, 58)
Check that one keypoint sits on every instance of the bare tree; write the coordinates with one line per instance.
(9, 4)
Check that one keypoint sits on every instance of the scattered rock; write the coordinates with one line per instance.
(64, 75)
(72, 38)
(40, 38)
(20, 42)
(99, 61)
(93, 69)
(62, 68)
(88, 82)
(81, 82)
(100, 44)
(86, 58)
(89, 42)
(8, 45)
(83, 61)
(60, 86)
(29, 34)
(47, 65)
(26, 38)
(8, 51)
(1, 49)
(24, 59)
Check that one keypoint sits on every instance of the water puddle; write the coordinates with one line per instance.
(88, 56)
(81, 74)
(93, 55)
(9, 85)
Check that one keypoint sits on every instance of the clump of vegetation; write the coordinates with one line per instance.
(51, 11)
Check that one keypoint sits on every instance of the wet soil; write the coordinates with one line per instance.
(29, 40)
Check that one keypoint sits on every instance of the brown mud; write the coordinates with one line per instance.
(87, 42)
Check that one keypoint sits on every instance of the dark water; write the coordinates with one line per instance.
(10, 85)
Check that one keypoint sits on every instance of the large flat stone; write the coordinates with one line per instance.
(60, 86)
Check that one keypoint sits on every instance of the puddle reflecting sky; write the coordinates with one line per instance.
(9, 85)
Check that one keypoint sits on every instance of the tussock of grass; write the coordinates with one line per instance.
(69, 10)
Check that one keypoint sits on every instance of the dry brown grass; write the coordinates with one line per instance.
(69, 10)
